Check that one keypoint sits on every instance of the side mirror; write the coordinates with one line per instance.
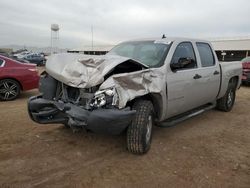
(183, 62)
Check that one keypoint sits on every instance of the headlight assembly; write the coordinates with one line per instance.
(105, 97)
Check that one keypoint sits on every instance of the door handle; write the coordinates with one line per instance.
(216, 72)
(197, 76)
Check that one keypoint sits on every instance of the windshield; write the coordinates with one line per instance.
(149, 53)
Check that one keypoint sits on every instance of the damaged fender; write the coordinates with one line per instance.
(135, 84)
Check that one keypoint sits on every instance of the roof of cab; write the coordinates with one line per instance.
(169, 39)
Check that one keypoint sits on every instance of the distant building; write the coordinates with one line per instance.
(88, 50)
(232, 49)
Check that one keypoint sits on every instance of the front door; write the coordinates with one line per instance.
(183, 83)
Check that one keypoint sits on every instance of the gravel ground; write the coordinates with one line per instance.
(210, 150)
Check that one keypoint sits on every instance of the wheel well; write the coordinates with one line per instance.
(21, 87)
(234, 80)
(154, 98)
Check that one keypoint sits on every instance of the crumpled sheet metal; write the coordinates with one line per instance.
(82, 71)
(135, 84)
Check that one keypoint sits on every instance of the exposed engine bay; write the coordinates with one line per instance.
(87, 98)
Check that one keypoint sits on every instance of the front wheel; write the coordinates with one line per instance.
(139, 133)
(227, 101)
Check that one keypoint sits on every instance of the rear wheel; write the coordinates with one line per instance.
(9, 89)
(139, 133)
(227, 101)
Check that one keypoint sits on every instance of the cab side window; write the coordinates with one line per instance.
(206, 54)
(184, 52)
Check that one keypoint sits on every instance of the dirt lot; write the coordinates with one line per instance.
(210, 150)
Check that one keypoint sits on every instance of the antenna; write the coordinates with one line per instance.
(54, 38)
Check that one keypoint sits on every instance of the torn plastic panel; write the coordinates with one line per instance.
(107, 121)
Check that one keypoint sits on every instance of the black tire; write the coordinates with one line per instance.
(9, 89)
(227, 101)
(139, 133)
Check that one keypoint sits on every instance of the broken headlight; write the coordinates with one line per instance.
(105, 97)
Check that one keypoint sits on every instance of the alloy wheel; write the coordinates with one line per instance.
(9, 89)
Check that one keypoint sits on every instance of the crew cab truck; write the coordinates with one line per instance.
(136, 85)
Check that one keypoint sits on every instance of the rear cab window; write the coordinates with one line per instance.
(206, 54)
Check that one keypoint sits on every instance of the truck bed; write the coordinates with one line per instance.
(229, 70)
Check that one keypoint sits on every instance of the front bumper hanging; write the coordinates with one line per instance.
(107, 121)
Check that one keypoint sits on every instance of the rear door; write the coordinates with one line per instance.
(209, 83)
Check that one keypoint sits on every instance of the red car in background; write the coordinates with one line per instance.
(15, 77)
(246, 70)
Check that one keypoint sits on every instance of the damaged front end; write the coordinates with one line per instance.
(93, 91)
(78, 107)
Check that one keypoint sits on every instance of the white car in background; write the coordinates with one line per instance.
(21, 55)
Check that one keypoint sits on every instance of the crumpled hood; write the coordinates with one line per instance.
(83, 71)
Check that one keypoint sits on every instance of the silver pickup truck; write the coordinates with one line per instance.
(136, 85)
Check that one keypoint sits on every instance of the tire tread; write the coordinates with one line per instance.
(136, 131)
